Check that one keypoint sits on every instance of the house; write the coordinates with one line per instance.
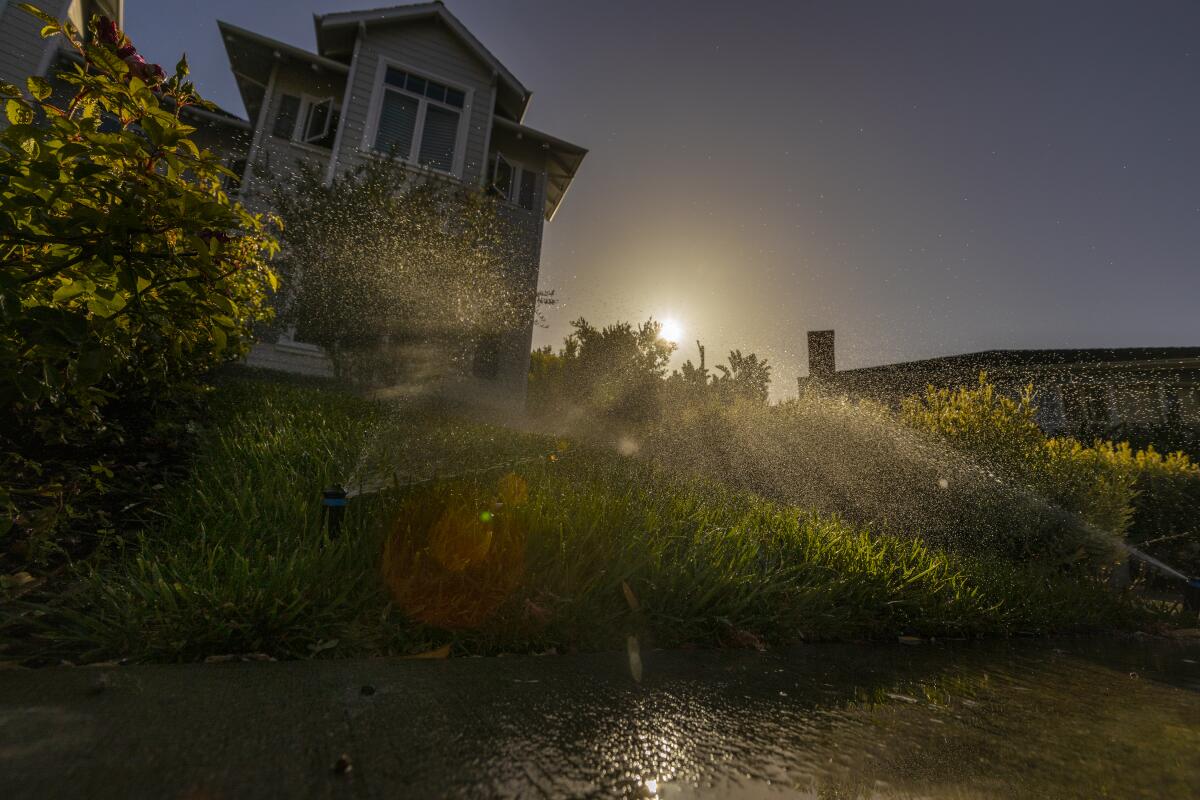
(413, 82)
(1126, 390)
(23, 52)
(408, 81)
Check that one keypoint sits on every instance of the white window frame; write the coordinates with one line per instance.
(307, 101)
(519, 171)
(371, 130)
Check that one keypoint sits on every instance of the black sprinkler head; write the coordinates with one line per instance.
(333, 506)
(1191, 596)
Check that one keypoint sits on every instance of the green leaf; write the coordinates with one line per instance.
(39, 87)
(219, 339)
(106, 59)
(18, 112)
(73, 289)
(181, 69)
(9, 89)
(29, 8)
(87, 169)
(92, 365)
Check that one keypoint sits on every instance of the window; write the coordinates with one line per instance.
(502, 179)
(419, 120)
(320, 114)
(515, 184)
(310, 120)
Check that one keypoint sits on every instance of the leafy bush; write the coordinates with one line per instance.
(127, 270)
(1166, 506)
(1089, 483)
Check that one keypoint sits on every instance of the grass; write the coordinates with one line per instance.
(578, 553)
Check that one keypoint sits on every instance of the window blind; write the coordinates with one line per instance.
(439, 138)
(397, 121)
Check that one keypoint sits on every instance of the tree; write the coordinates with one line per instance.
(614, 372)
(382, 256)
(746, 378)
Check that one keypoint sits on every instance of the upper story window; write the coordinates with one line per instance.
(514, 183)
(305, 119)
(420, 120)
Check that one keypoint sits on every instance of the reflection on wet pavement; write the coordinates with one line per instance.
(1073, 718)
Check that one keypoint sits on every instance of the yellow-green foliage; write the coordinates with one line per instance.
(1096, 483)
(1166, 506)
(981, 421)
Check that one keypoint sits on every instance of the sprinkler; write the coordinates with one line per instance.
(1191, 596)
(333, 505)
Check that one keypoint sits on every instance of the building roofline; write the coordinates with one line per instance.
(1081, 357)
(230, 31)
(417, 11)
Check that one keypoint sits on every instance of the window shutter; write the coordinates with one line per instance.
(439, 138)
(397, 121)
(528, 189)
(285, 120)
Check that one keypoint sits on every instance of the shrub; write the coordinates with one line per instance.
(1166, 506)
(1092, 484)
(127, 270)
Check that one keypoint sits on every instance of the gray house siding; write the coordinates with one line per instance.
(428, 49)
(23, 51)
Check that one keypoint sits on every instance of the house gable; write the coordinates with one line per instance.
(428, 49)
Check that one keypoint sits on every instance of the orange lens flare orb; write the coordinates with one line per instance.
(452, 560)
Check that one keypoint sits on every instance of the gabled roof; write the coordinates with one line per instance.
(251, 56)
(330, 43)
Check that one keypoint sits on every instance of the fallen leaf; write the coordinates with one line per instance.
(630, 597)
(16, 580)
(441, 652)
(743, 638)
(911, 640)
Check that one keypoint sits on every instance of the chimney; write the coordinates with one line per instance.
(820, 355)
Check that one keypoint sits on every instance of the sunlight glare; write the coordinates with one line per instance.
(672, 330)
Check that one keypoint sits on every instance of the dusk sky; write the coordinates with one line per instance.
(925, 177)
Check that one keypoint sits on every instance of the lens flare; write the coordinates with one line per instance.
(450, 564)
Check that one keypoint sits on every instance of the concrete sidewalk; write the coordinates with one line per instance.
(934, 721)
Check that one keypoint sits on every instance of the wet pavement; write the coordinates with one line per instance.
(1069, 718)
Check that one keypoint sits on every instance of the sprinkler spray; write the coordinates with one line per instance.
(333, 504)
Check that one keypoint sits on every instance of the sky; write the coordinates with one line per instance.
(926, 178)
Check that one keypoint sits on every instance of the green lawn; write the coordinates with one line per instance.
(236, 559)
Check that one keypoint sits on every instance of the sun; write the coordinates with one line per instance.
(672, 330)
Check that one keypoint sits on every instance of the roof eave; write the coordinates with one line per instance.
(229, 33)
